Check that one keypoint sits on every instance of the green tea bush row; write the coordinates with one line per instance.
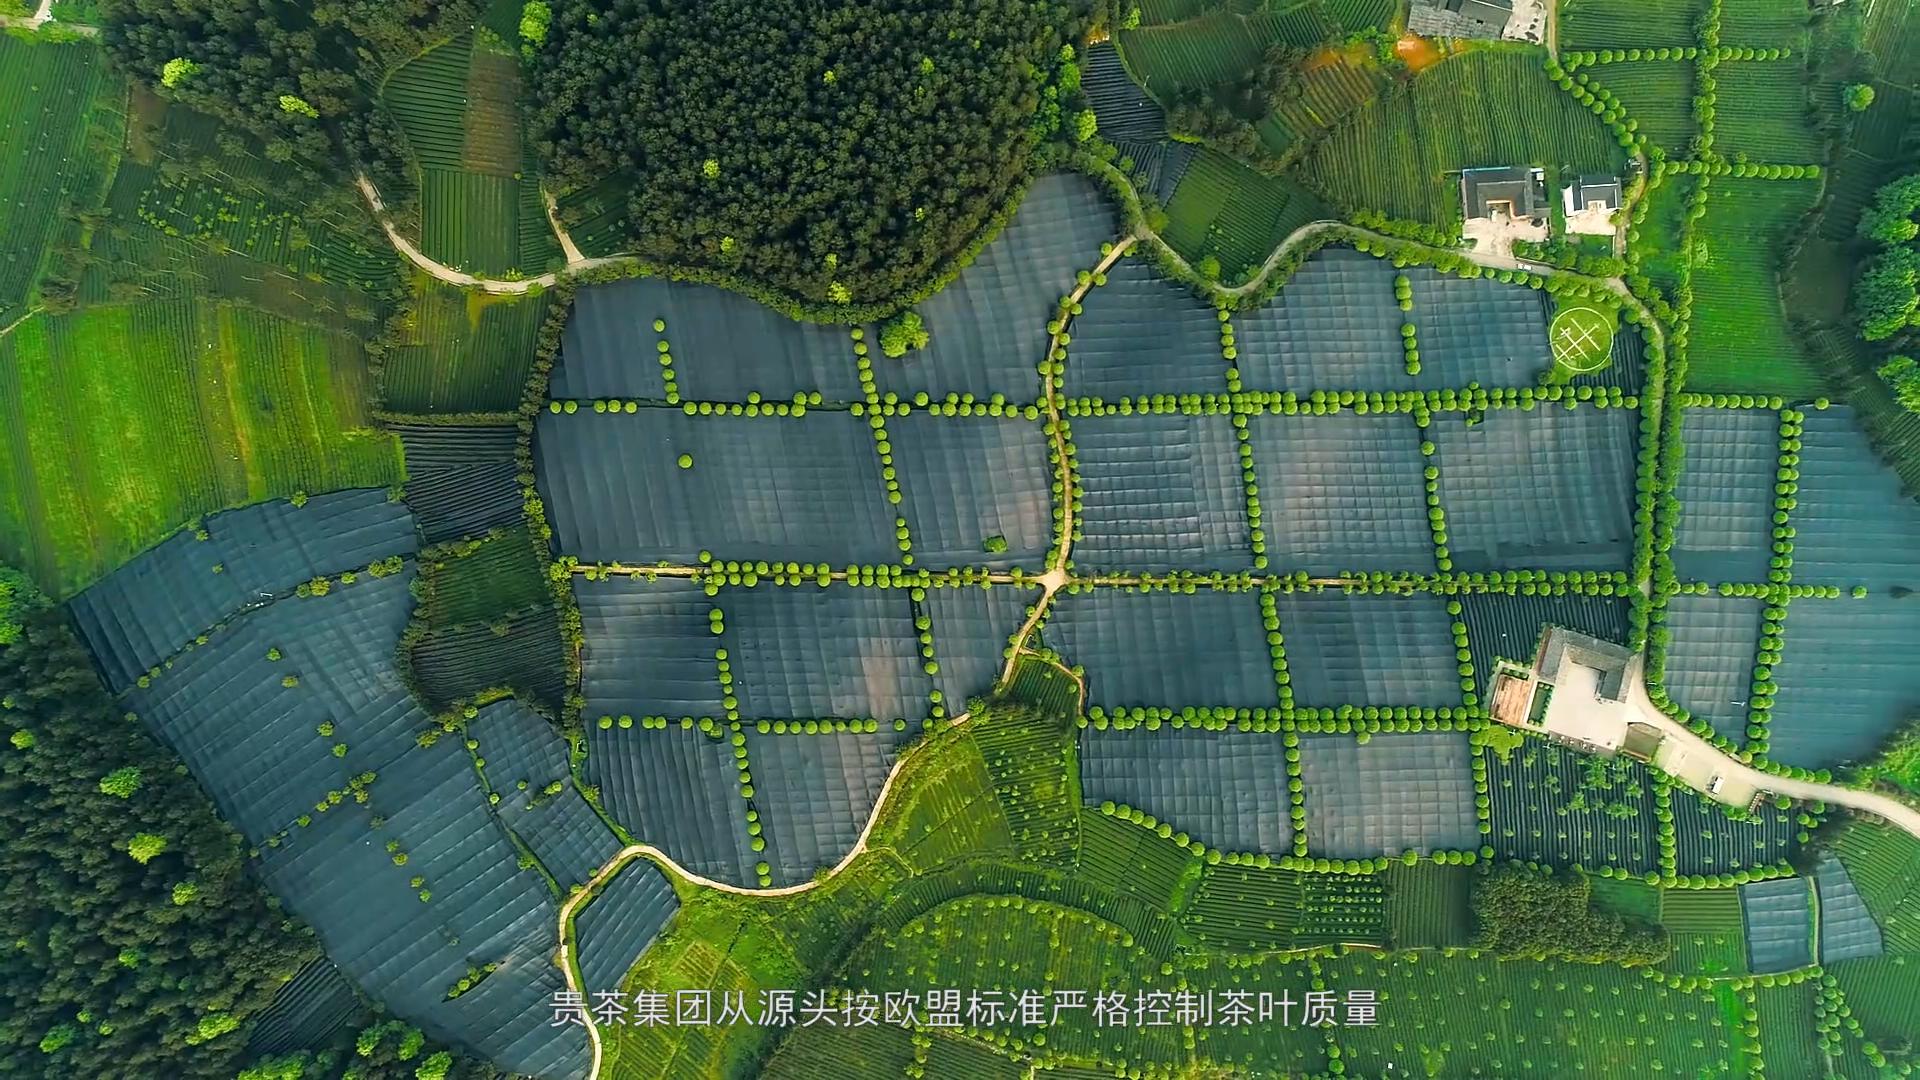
(1762, 690)
(1276, 649)
(1250, 479)
(1786, 490)
(1436, 514)
(1589, 57)
(1333, 720)
(923, 630)
(1738, 168)
(1362, 402)
(1602, 103)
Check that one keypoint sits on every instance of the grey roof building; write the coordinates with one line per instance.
(1590, 192)
(1508, 192)
(1460, 18)
(1563, 646)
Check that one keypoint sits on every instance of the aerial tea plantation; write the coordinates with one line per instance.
(1136, 631)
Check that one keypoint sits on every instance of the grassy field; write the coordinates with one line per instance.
(50, 91)
(1600, 24)
(1234, 215)
(1741, 338)
(227, 406)
(1401, 153)
(465, 353)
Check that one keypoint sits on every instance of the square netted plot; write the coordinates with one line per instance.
(678, 789)
(1478, 330)
(989, 328)
(526, 765)
(1165, 648)
(971, 631)
(1343, 492)
(815, 793)
(1847, 929)
(1556, 806)
(805, 488)
(1779, 924)
(811, 653)
(1336, 326)
(1726, 495)
(1391, 794)
(1548, 488)
(1710, 658)
(1853, 524)
(155, 605)
(649, 648)
(1847, 679)
(1227, 789)
(724, 346)
(1369, 649)
(1707, 840)
(1162, 492)
(1141, 334)
(976, 490)
(618, 925)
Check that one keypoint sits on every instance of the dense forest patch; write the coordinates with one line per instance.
(838, 152)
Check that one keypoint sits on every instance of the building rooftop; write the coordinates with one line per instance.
(1563, 648)
(1460, 18)
(1603, 190)
(1511, 191)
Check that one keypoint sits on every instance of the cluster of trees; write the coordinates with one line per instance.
(385, 1050)
(1523, 914)
(292, 76)
(17, 597)
(138, 945)
(1902, 374)
(1224, 114)
(1886, 299)
(839, 153)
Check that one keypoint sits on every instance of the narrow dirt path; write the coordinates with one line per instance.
(1056, 577)
(468, 281)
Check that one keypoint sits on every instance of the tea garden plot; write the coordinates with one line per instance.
(1226, 788)
(621, 922)
(294, 718)
(1359, 506)
(1368, 649)
(1726, 495)
(755, 487)
(526, 766)
(816, 793)
(1391, 794)
(722, 346)
(1163, 492)
(1779, 924)
(1163, 648)
(1548, 488)
(155, 605)
(1711, 656)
